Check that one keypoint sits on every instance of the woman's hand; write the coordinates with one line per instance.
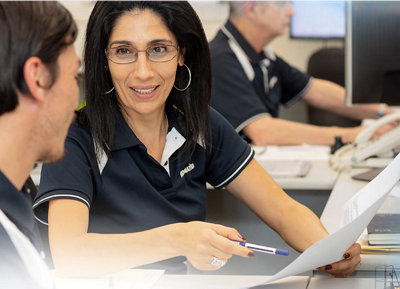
(207, 246)
(341, 269)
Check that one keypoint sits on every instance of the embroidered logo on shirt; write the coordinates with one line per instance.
(187, 169)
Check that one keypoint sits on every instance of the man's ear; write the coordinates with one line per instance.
(36, 77)
(249, 8)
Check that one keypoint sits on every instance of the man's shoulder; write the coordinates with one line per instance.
(222, 56)
(219, 45)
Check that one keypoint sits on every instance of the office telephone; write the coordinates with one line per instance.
(365, 147)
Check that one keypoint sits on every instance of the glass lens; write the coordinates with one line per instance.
(127, 54)
(161, 52)
(122, 54)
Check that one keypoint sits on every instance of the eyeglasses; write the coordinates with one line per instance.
(124, 54)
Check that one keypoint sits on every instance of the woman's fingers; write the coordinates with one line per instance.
(351, 259)
(225, 245)
(213, 246)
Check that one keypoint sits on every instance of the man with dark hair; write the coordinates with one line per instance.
(250, 82)
(38, 95)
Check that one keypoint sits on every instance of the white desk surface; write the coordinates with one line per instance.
(342, 283)
(343, 190)
(227, 282)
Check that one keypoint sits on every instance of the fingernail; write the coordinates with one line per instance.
(328, 267)
(241, 237)
(251, 254)
(347, 255)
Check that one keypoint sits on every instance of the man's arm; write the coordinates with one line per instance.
(330, 96)
(267, 130)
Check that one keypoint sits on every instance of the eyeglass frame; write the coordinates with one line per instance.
(137, 54)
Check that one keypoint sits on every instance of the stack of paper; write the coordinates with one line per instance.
(373, 249)
(384, 229)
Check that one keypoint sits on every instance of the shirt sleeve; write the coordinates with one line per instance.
(70, 178)
(230, 154)
(232, 92)
(294, 82)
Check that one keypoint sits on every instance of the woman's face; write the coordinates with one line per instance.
(143, 85)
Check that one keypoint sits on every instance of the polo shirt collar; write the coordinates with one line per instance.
(124, 137)
(253, 56)
(17, 206)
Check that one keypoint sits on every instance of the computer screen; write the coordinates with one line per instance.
(318, 19)
(372, 52)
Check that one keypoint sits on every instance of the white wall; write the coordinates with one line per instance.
(213, 15)
(80, 10)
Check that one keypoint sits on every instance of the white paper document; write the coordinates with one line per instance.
(395, 192)
(357, 214)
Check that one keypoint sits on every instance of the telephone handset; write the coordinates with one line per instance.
(365, 147)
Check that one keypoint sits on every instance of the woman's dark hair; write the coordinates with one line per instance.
(27, 29)
(191, 105)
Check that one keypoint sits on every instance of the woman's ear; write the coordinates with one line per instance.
(181, 59)
(36, 77)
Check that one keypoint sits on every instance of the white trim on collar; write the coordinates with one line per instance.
(174, 140)
(240, 54)
(269, 53)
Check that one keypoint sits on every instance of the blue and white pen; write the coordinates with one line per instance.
(263, 249)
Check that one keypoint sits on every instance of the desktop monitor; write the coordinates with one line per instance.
(318, 19)
(372, 52)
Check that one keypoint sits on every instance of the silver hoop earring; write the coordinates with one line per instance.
(107, 92)
(190, 80)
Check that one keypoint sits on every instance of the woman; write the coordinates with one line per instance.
(131, 189)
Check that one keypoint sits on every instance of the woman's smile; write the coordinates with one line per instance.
(145, 92)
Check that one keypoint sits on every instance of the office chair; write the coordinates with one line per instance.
(328, 63)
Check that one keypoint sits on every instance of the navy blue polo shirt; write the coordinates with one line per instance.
(240, 99)
(17, 207)
(131, 191)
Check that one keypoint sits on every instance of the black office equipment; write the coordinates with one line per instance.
(372, 52)
(328, 63)
(368, 175)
